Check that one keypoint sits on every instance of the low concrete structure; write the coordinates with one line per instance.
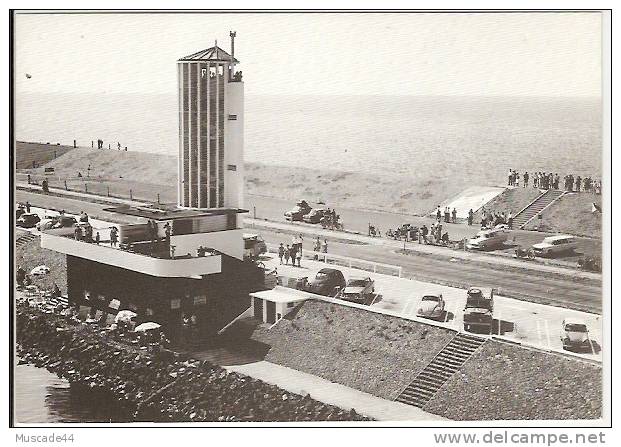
(272, 305)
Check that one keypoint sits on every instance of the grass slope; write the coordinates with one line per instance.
(572, 214)
(31, 255)
(510, 200)
(370, 352)
(507, 382)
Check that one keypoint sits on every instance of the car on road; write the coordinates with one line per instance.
(298, 212)
(575, 335)
(327, 282)
(315, 215)
(431, 306)
(479, 310)
(555, 245)
(40, 270)
(359, 290)
(28, 220)
(254, 246)
(488, 239)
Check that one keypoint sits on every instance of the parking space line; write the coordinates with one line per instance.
(547, 332)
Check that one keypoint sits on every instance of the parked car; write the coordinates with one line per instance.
(431, 306)
(298, 211)
(488, 239)
(27, 220)
(315, 215)
(254, 245)
(327, 282)
(575, 335)
(70, 231)
(359, 290)
(40, 270)
(555, 245)
(45, 224)
(479, 310)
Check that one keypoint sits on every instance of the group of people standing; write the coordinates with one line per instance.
(293, 252)
(449, 216)
(550, 180)
(491, 218)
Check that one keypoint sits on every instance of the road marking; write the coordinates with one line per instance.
(547, 333)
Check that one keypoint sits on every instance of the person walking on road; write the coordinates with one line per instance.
(438, 214)
(281, 252)
(454, 215)
(325, 246)
(317, 248)
(287, 255)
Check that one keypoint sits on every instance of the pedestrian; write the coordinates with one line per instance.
(118, 145)
(281, 252)
(424, 231)
(470, 216)
(287, 254)
(447, 214)
(578, 183)
(510, 220)
(113, 237)
(97, 238)
(28, 207)
(438, 214)
(454, 215)
(526, 177)
(167, 233)
(298, 254)
(77, 233)
(317, 248)
(325, 246)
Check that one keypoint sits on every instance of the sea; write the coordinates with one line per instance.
(41, 397)
(475, 137)
(478, 138)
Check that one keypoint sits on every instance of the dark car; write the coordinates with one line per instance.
(327, 282)
(19, 211)
(315, 215)
(27, 220)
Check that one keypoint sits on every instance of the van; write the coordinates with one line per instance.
(254, 245)
(555, 245)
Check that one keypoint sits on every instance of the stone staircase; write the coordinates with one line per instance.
(24, 239)
(535, 207)
(440, 369)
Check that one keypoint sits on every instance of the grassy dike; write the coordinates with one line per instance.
(381, 355)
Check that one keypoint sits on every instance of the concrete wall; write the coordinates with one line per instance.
(230, 242)
(234, 145)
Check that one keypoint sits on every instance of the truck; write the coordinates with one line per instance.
(479, 310)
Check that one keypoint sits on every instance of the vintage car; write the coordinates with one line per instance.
(28, 220)
(555, 245)
(575, 335)
(479, 310)
(315, 215)
(254, 245)
(359, 290)
(298, 212)
(56, 222)
(488, 239)
(327, 282)
(431, 306)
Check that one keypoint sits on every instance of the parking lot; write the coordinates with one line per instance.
(517, 321)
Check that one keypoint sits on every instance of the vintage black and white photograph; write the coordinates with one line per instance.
(349, 218)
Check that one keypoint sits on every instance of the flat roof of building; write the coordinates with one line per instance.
(281, 294)
(167, 213)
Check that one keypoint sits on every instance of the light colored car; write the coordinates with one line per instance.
(40, 270)
(488, 239)
(555, 245)
(431, 306)
(46, 224)
(575, 334)
(359, 290)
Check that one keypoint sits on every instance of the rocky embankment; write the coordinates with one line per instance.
(162, 386)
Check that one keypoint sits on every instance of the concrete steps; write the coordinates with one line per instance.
(440, 369)
(24, 239)
(535, 207)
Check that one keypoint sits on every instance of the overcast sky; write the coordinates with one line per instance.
(347, 54)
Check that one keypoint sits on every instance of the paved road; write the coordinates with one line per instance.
(356, 220)
(584, 294)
